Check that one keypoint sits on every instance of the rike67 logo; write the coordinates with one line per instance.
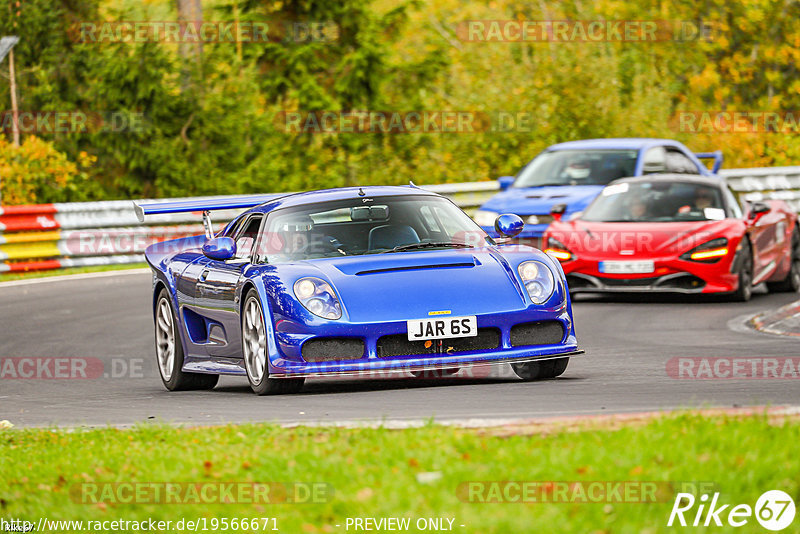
(774, 510)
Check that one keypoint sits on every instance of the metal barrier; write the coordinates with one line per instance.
(52, 236)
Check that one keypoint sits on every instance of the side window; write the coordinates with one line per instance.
(654, 160)
(734, 208)
(233, 229)
(246, 237)
(679, 162)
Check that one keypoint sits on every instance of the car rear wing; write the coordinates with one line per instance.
(205, 205)
(716, 156)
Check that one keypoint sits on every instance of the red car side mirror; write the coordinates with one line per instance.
(757, 209)
(557, 211)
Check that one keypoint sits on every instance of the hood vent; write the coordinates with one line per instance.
(416, 267)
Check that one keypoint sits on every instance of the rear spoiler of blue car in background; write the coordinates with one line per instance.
(205, 205)
(716, 156)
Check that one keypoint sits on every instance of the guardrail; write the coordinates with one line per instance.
(52, 236)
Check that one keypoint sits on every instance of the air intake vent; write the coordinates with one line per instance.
(399, 345)
(541, 333)
(329, 349)
(416, 267)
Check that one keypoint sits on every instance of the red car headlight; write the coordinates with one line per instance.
(709, 252)
(558, 250)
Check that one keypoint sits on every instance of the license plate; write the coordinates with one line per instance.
(442, 328)
(627, 267)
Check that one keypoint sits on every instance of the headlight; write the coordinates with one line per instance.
(708, 252)
(318, 298)
(558, 250)
(485, 217)
(538, 280)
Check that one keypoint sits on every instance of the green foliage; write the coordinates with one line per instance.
(210, 123)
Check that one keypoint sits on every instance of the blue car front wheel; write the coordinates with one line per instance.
(254, 352)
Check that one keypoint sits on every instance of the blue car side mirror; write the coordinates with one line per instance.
(220, 248)
(505, 182)
(508, 225)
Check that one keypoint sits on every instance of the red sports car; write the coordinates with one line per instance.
(677, 233)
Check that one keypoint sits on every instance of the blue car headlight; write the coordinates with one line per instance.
(318, 297)
(538, 280)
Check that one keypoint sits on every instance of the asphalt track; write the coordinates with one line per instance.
(628, 341)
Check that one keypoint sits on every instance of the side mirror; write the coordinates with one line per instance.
(758, 208)
(508, 225)
(220, 248)
(557, 211)
(505, 182)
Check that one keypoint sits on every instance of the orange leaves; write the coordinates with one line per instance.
(31, 172)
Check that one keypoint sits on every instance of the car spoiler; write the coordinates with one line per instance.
(205, 205)
(716, 156)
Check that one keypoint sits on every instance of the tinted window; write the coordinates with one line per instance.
(577, 167)
(656, 202)
(352, 228)
(734, 207)
(246, 236)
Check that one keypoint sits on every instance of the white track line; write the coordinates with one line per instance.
(67, 277)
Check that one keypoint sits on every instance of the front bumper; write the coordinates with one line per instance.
(669, 276)
(290, 361)
(371, 370)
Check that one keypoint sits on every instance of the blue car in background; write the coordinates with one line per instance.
(574, 173)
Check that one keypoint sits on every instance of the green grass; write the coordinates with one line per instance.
(375, 472)
(69, 270)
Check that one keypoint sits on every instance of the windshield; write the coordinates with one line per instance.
(577, 167)
(656, 202)
(359, 226)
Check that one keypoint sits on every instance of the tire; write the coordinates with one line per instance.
(745, 271)
(540, 370)
(254, 352)
(435, 373)
(169, 351)
(790, 284)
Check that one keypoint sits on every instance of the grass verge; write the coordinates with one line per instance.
(70, 270)
(413, 473)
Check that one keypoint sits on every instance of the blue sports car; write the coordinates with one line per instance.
(351, 281)
(574, 173)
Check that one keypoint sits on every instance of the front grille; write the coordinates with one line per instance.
(399, 345)
(578, 282)
(541, 333)
(685, 281)
(628, 282)
(328, 349)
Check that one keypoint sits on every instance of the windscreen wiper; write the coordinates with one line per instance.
(414, 246)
